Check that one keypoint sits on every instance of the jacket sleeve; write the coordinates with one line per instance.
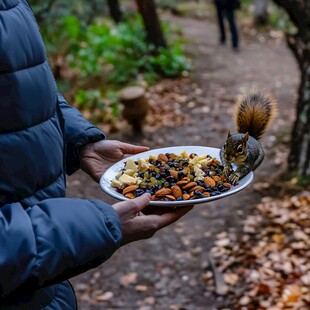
(77, 132)
(54, 240)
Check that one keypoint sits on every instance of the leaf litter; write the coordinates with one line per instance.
(268, 266)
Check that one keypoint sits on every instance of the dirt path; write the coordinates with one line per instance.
(166, 271)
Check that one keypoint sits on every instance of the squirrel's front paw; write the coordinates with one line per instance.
(234, 178)
(226, 171)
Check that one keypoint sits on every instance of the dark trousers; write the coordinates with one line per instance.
(223, 13)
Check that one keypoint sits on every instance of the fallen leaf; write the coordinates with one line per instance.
(141, 288)
(129, 278)
(104, 297)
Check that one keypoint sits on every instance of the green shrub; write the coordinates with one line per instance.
(117, 53)
(101, 107)
(279, 19)
(103, 57)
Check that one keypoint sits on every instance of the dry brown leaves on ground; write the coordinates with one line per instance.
(166, 100)
(272, 258)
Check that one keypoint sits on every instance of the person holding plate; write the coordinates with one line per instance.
(45, 238)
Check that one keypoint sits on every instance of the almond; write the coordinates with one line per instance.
(182, 183)
(189, 185)
(209, 181)
(170, 197)
(185, 196)
(163, 192)
(176, 191)
(186, 179)
(162, 157)
(129, 189)
(216, 178)
(228, 185)
(174, 173)
(197, 188)
(130, 195)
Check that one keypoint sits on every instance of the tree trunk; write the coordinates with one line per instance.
(261, 12)
(147, 9)
(115, 10)
(299, 43)
(299, 157)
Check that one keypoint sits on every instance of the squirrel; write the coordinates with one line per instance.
(253, 114)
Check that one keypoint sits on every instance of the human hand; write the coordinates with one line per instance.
(136, 225)
(96, 157)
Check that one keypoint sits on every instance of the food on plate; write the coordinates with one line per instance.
(172, 177)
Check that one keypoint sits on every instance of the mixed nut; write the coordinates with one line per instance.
(171, 177)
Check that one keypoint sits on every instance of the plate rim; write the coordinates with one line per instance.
(106, 187)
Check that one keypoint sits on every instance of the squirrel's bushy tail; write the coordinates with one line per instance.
(254, 111)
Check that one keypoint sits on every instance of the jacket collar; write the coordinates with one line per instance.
(7, 4)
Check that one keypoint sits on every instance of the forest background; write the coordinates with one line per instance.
(255, 257)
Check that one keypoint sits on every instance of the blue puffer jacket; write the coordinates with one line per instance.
(44, 238)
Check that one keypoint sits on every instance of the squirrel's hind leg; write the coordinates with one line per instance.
(259, 160)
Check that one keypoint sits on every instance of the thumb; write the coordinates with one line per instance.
(133, 206)
(133, 149)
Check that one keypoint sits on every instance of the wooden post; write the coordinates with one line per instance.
(135, 106)
(147, 9)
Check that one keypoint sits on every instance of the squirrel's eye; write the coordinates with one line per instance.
(239, 148)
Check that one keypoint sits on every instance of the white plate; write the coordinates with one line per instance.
(109, 175)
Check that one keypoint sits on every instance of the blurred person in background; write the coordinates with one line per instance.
(46, 238)
(225, 9)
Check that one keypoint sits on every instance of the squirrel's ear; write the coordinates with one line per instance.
(246, 137)
(228, 134)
